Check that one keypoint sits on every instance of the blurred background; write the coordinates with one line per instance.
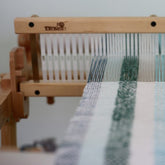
(51, 121)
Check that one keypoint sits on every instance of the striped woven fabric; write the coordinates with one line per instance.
(117, 122)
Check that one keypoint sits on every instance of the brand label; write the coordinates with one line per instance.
(59, 27)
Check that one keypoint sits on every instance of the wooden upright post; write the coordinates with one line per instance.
(34, 57)
(8, 134)
(7, 122)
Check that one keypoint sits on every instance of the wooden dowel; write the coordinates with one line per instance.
(50, 100)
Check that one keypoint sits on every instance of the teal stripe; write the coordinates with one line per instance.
(117, 150)
(97, 69)
(156, 68)
(159, 64)
(162, 64)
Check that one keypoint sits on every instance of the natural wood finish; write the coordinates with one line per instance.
(52, 89)
(20, 105)
(8, 134)
(18, 74)
(34, 57)
(90, 25)
(13, 105)
(5, 82)
(5, 99)
(24, 41)
(7, 123)
(50, 100)
(5, 105)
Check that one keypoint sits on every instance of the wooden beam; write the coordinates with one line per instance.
(51, 89)
(90, 25)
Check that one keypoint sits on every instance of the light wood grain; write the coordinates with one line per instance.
(91, 25)
(34, 57)
(18, 73)
(7, 123)
(52, 89)
(5, 105)
(8, 134)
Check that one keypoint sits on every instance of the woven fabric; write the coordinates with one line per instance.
(116, 123)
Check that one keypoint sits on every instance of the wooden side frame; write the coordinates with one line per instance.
(18, 73)
(13, 104)
(36, 25)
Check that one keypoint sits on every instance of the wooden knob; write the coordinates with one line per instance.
(34, 15)
(153, 15)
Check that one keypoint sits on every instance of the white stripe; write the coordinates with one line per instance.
(49, 55)
(43, 56)
(93, 151)
(142, 140)
(113, 69)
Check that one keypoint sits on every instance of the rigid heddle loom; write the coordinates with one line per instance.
(117, 65)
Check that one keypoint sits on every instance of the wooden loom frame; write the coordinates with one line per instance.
(24, 81)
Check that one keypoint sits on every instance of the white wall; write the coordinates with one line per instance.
(45, 121)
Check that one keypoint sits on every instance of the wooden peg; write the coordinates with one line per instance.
(50, 100)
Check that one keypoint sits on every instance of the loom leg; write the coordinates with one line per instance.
(8, 135)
